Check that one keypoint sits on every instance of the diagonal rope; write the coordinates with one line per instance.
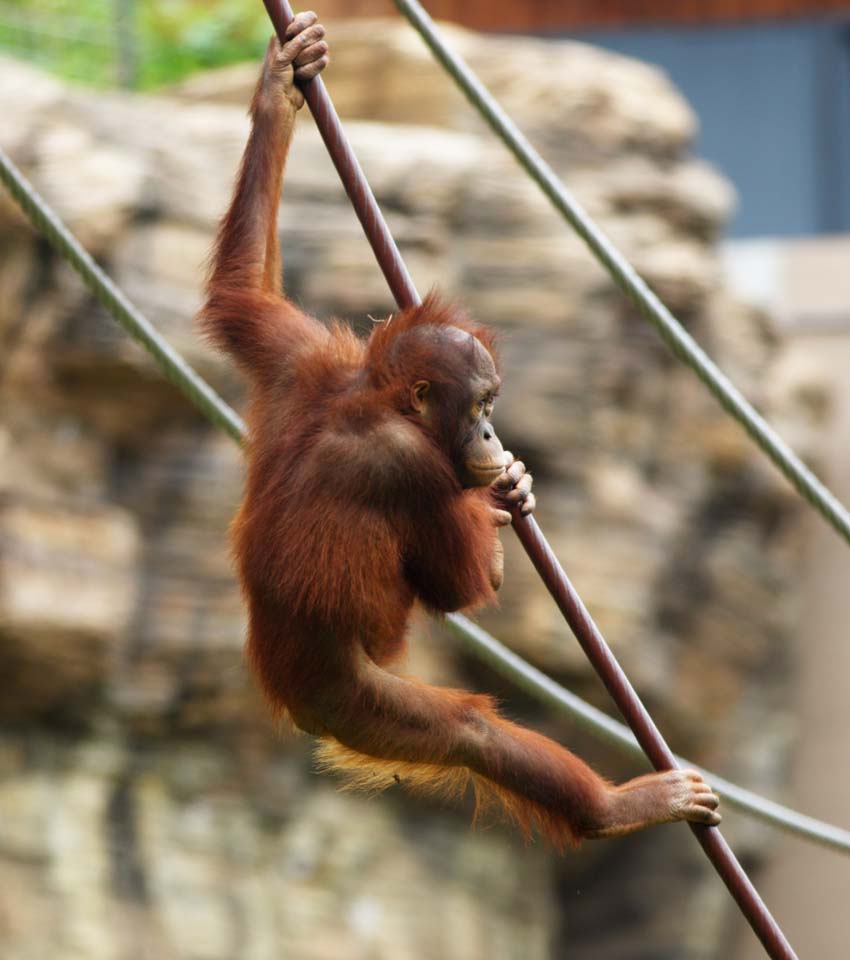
(628, 280)
(477, 640)
(528, 532)
(175, 368)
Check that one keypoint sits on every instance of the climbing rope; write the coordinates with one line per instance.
(477, 640)
(627, 279)
(527, 530)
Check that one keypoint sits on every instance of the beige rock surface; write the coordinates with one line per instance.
(145, 803)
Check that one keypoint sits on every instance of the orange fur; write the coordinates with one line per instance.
(370, 775)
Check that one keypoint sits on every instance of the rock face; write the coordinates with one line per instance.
(147, 807)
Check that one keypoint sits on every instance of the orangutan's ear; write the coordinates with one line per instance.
(418, 395)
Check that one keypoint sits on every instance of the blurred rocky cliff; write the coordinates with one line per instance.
(147, 807)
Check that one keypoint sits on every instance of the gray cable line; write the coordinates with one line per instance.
(176, 369)
(490, 650)
(624, 275)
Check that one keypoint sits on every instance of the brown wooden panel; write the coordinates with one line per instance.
(530, 15)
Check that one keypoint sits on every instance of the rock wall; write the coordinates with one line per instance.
(147, 806)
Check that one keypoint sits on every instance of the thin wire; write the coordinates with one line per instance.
(627, 279)
(490, 650)
(176, 369)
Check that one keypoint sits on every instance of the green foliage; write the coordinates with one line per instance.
(166, 40)
(181, 36)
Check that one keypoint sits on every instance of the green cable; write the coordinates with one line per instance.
(176, 369)
(490, 650)
(628, 280)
